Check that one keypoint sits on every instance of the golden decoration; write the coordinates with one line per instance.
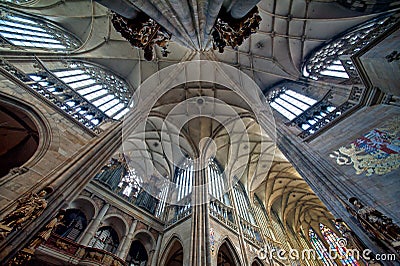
(28, 208)
(373, 159)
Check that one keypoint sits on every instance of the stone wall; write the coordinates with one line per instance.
(383, 189)
(60, 140)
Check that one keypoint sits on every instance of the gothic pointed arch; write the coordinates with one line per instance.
(257, 262)
(24, 135)
(173, 254)
(227, 255)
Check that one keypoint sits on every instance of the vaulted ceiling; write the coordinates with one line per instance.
(289, 31)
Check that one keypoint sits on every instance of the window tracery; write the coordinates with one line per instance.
(306, 113)
(289, 103)
(88, 93)
(25, 31)
(332, 239)
(333, 60)
(320, 248)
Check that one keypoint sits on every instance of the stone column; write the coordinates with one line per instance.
(324, 179)
(94, 225)
(157, 251)
(126, 243)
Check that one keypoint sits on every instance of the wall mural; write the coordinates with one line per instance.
(377, 152)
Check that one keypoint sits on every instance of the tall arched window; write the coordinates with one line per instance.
(26, 31)
(87, 90)
(162, 201)
(217, 182)
(308, 114)
(220, 204)
(320, 249)
(333, 59)
(73, 224)
(332, 239)
(106, 238)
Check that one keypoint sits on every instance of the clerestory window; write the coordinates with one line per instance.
(25, 31)
(332, 60)
(86, 91)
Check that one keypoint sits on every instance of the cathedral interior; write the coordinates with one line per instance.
(199, 132)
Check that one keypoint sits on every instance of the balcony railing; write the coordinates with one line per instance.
(81, 254)
(223, 213)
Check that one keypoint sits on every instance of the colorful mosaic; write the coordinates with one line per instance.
(377, 152)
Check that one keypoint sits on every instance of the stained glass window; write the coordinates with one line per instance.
(332, 239)
(21, 30)
(333, 58)
(320, 249)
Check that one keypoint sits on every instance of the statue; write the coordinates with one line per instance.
(45, 233)
(25, 255)
(377, 224)
(28, 208)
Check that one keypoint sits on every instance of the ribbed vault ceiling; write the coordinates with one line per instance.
(289, 31)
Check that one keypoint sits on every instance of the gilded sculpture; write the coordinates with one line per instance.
(28, 208)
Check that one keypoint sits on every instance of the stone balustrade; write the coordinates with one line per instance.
(79, 254)
(223, 213)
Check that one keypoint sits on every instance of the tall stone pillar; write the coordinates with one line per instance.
(126, 243)
(324, 179)
(94, 225)
(157, 251)
(199, 249)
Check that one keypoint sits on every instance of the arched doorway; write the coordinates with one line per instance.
(137, 255)
(227, 255)
(174, 256)
(19, 137)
